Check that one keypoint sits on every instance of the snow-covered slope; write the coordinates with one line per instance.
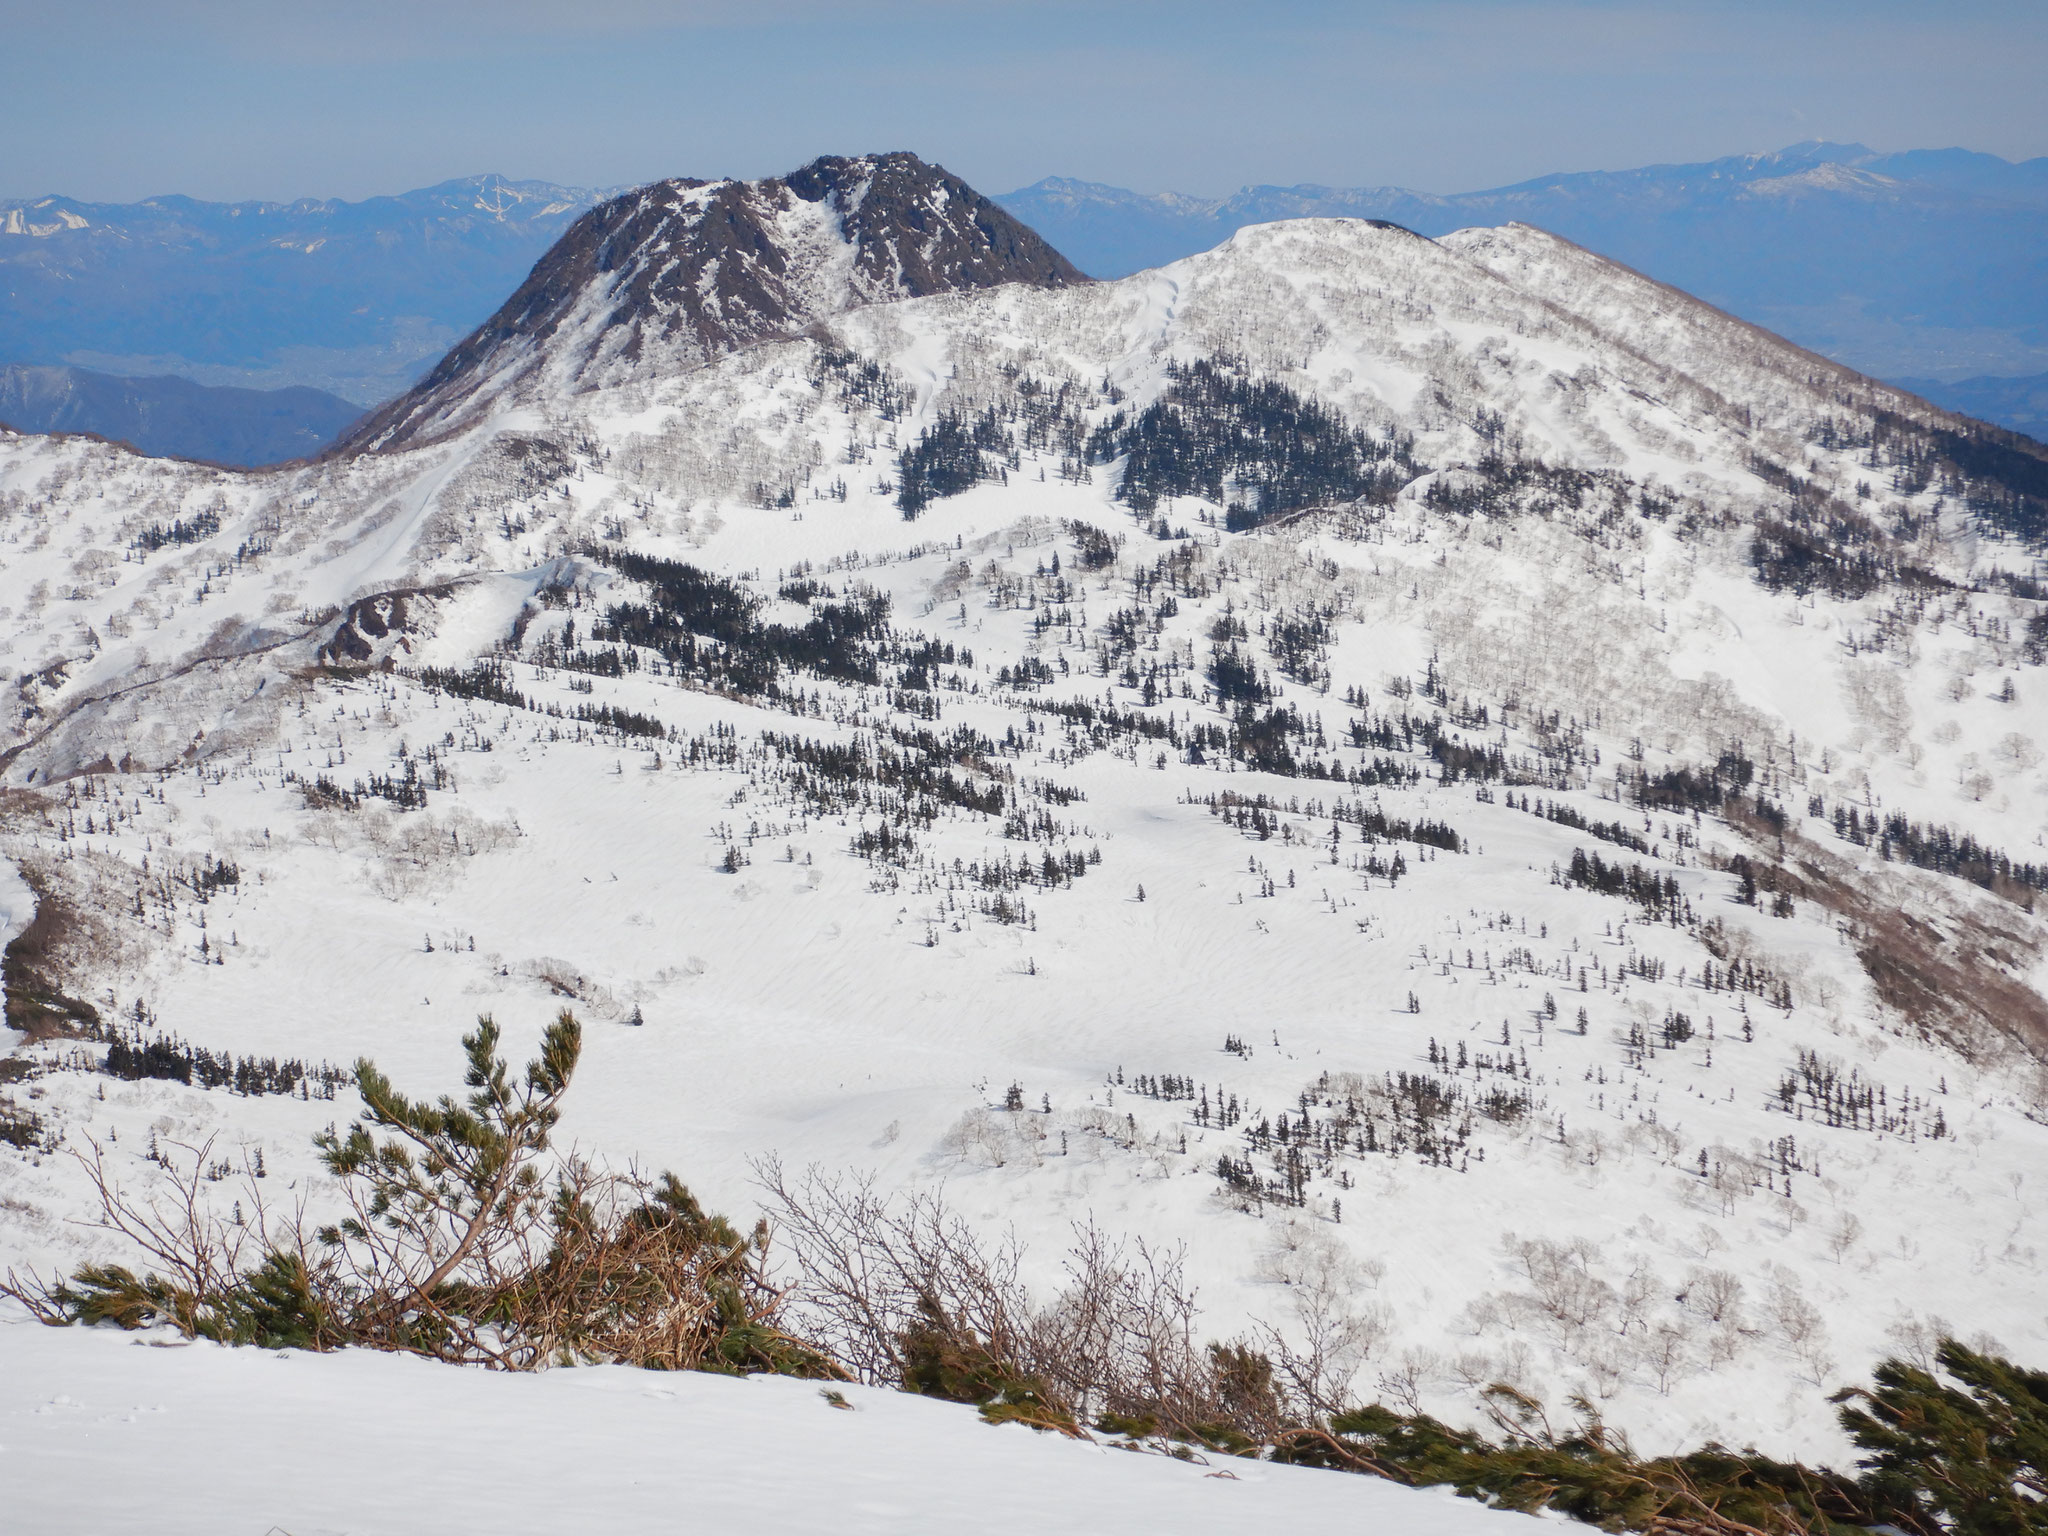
(1388, 746)
(104, 1433)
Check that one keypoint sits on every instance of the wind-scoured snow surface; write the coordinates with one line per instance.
(1702, 1159)
(104, 1433)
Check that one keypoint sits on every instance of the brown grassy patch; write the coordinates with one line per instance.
(34, 967)
(1948, 969)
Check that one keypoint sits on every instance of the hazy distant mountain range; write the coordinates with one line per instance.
(357, 299)
(1930, 264)
(2019, 403)
(173, 417)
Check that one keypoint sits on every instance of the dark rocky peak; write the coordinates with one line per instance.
(918, 229)
(671, 275)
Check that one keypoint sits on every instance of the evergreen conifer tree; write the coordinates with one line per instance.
(1974, 1453)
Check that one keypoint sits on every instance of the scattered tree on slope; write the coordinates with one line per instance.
(467, 1239)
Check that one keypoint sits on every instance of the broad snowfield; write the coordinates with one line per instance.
(1033, 910)
(110, 1433)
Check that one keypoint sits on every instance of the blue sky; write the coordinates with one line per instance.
(119, 99)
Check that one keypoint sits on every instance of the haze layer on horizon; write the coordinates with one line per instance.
(115, 100)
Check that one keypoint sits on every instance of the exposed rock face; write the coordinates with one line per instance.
(675, 273)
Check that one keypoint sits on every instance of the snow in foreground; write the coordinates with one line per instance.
(108, 1432)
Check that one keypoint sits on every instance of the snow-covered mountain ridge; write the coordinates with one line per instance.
(1439, 766)
(1921, 264)
(668, 276)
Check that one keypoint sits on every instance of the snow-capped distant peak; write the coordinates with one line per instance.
(1832, 177)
